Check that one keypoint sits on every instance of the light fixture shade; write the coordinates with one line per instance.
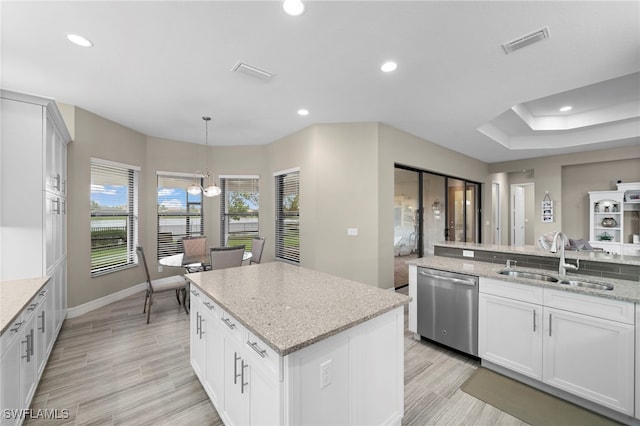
(293, 7)
(211, 191)
(193, 189)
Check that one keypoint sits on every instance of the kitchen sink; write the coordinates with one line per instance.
(597, 286)
(529, 275)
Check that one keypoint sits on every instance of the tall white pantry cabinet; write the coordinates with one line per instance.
(33, 181)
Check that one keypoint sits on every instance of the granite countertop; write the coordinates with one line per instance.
(14, 296)
(622, 290)
(290, 307)
(597, 256)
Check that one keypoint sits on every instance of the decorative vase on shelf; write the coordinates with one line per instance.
(609, 222)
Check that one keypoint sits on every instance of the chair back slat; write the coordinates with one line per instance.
(143, 261)
(194, 246)
(226, 257)
(256, 249)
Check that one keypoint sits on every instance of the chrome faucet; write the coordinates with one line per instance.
(562, 264)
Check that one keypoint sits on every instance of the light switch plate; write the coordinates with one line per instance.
(467, 253)
(352, 232)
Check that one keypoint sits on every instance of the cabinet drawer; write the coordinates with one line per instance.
(211, 307)
(261, 354)
(614, 310)
(522, 292)
(232, 327)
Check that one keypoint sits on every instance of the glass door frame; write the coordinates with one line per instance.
(421, 207)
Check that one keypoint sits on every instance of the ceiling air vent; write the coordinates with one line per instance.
(252, 71)
(526, 40)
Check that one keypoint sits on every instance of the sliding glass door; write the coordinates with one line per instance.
(430, 208)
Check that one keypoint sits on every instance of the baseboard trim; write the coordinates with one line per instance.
(76, 311)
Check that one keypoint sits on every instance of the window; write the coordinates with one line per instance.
(239, 207)
(180, 214)
(114, 216)
(287, 187)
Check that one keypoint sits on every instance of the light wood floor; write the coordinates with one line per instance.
(109, 367)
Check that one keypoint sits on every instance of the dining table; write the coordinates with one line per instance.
(180, 260)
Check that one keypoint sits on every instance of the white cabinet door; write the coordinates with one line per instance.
(590, 357)
(510, 334)
(40, 332)
(198, 346)
(27, 362)
(236, 385)
(12, 350)
(638, 360)
(264, 396)
(214, 342)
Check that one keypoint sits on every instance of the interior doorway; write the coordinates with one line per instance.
(522, 210)
(430, 208)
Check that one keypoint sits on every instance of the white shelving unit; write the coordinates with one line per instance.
(614, 217)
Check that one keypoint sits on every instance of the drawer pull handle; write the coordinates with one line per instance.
(17, 326)
(534, 320)
(229, 323)
(255, 347)
(208, 305)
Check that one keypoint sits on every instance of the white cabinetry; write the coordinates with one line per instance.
(584, 344)
(613, 219)
(23, 355)
(32, 236)
(353, 377)
(510, 326)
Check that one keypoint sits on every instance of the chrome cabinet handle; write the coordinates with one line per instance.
(17, 326)
(201, 330)
(31, 339)
(534, 320)
(549, 324)
(198, 323)
(208, 305)
(27, 354)
(55, 206)
(42, 317)
(195, 293)
(229, 323)
(242, 382)
(236, 358)
(255, 347)
(449, 279)
(32, 306)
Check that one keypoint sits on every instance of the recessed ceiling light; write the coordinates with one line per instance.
(303, 112)
(389, 66)
(79, 40)
(566, 108)
(293, 7)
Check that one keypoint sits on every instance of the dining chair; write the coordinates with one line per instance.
(194, 247)
(226, 257)
(256, 250)
(177, 283)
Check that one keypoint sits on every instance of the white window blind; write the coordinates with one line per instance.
(114, 216)
(180, 214)
(287, 187)
(239, 212)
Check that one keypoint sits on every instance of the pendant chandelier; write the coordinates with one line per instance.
(211, 190)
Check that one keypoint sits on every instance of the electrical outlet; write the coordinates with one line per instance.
(467, 253)
(325, 374)
(159, 268)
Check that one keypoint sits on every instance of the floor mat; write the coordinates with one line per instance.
(528, 404)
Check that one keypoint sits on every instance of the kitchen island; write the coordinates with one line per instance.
(274, 343)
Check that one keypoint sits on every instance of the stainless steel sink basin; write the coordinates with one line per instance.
(529, 275)
(597, 286)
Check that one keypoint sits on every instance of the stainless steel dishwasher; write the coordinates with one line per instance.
(447, 306)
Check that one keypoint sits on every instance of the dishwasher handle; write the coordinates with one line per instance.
(470, 282)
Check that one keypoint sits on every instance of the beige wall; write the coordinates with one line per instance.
(548, 176)
(347, 181)
(100, 138)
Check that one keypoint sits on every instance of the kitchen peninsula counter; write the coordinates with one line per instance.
(622, 289)
(291, 307)
(592, 255)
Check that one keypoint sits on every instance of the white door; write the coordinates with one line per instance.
(518, 215)
(575, 344)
